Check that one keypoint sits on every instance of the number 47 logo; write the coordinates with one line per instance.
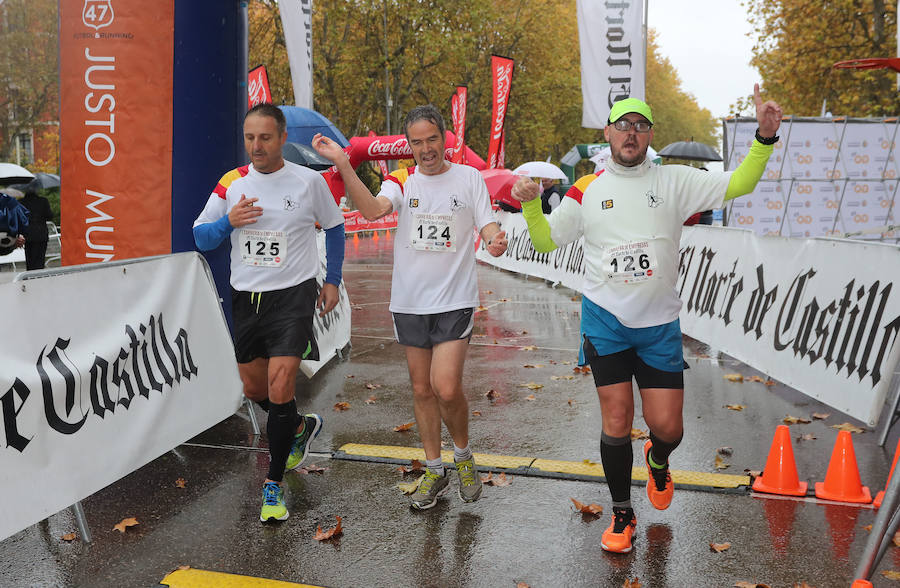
(97, 13)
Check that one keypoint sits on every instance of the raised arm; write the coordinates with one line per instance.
(747, 175)
(371, 207)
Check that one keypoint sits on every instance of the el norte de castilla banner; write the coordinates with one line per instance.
(819, 315)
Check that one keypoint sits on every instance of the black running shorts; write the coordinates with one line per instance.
(427, 330)
(276, 323)
(623, 365)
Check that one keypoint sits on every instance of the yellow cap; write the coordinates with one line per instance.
(623, 107)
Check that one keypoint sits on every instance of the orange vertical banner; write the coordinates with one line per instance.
(116, 70)
(501, 73)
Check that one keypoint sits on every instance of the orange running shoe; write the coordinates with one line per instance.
(617, 537)
(660, 487)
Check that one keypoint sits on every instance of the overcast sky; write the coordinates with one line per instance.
(706, 42)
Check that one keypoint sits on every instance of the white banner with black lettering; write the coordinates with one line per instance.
(815, 314)
(103, 369)
(332, 331)
(611, 38)
(296, 19)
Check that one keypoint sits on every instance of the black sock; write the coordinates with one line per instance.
(280, 428)
(661, 450)
(616, 456)
(263, 404)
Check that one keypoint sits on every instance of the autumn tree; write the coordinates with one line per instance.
(420, 50)
(29, 73)
(798, 42)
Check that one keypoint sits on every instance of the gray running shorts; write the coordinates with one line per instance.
(427, 330)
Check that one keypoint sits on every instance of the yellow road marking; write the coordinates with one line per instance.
(191, 578)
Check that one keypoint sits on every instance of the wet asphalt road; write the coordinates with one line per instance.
(524, 532)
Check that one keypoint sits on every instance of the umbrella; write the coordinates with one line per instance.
(44, 181)
(540, 169)
(601, 156)
(10, 173)
(15, 193)
(690, 151)
(304, 155)
(499, 183)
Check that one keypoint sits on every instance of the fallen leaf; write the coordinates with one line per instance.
(896, 539)
(632, 583)
(724, 451)
(639, 434)
(588, 462)
(584, 369)
(528, 365)
(792, 420)
(330, 533)
(180, 483)
(371, 386)
(848, 427)
(404, 427)
(720, 463)
(492, 394)
(312, 469)
(720, 547)
(371, 400)
(529, 348)
(525, 333)
(504, 300)
(806, 437)
(750, 585)
(69, 537)
(575, 298)
(340, 406)
(529, 397)
(414, 466)
(891, 574)
(495, 342)
(734, 377)
(481, 308)
(736, 406)
(567, 363)
(769, 382)
(476, 413)
(183, 568)
(755, 379)
(821, 415)
(571, 402)
(409, 487)
(566, 377)
(488, 291)
(533, 386)
(869, 528)
(753, 473)
(500, 480)
(590, 509)
(125, 523)
(348, 376)
(522, 585)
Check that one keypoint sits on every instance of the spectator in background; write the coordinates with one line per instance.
(36, 235)
(550, 196)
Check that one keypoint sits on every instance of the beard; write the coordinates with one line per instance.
(619, 157)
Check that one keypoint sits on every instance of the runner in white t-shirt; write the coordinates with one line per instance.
(630, 214)
(269, 210)
(434, 291)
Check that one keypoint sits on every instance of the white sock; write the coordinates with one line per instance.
(461, 453)
(435, 466)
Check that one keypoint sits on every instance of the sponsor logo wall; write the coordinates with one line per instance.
(811, 313)
(826, 177)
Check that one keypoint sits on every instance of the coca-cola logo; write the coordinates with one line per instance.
(257, 90)
(378, 148)
(504, 77)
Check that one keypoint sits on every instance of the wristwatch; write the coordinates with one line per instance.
(766, 140)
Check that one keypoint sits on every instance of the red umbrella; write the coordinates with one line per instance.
(499, 183)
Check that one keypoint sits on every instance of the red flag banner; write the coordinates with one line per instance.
(382, 163)
(258, 87)
(502, 72)
(458, 112)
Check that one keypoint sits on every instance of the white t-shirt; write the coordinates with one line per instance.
(631, 219)
(278, 250)
(434, 255)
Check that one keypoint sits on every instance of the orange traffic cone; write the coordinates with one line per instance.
(842, 479)
(780, 475)
(880, 496)
(860, 583)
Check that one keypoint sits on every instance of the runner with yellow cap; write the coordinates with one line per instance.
(630, 214)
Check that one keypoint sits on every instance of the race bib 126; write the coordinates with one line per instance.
(630, 263)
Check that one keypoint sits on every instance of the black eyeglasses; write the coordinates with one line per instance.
(640, 126)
